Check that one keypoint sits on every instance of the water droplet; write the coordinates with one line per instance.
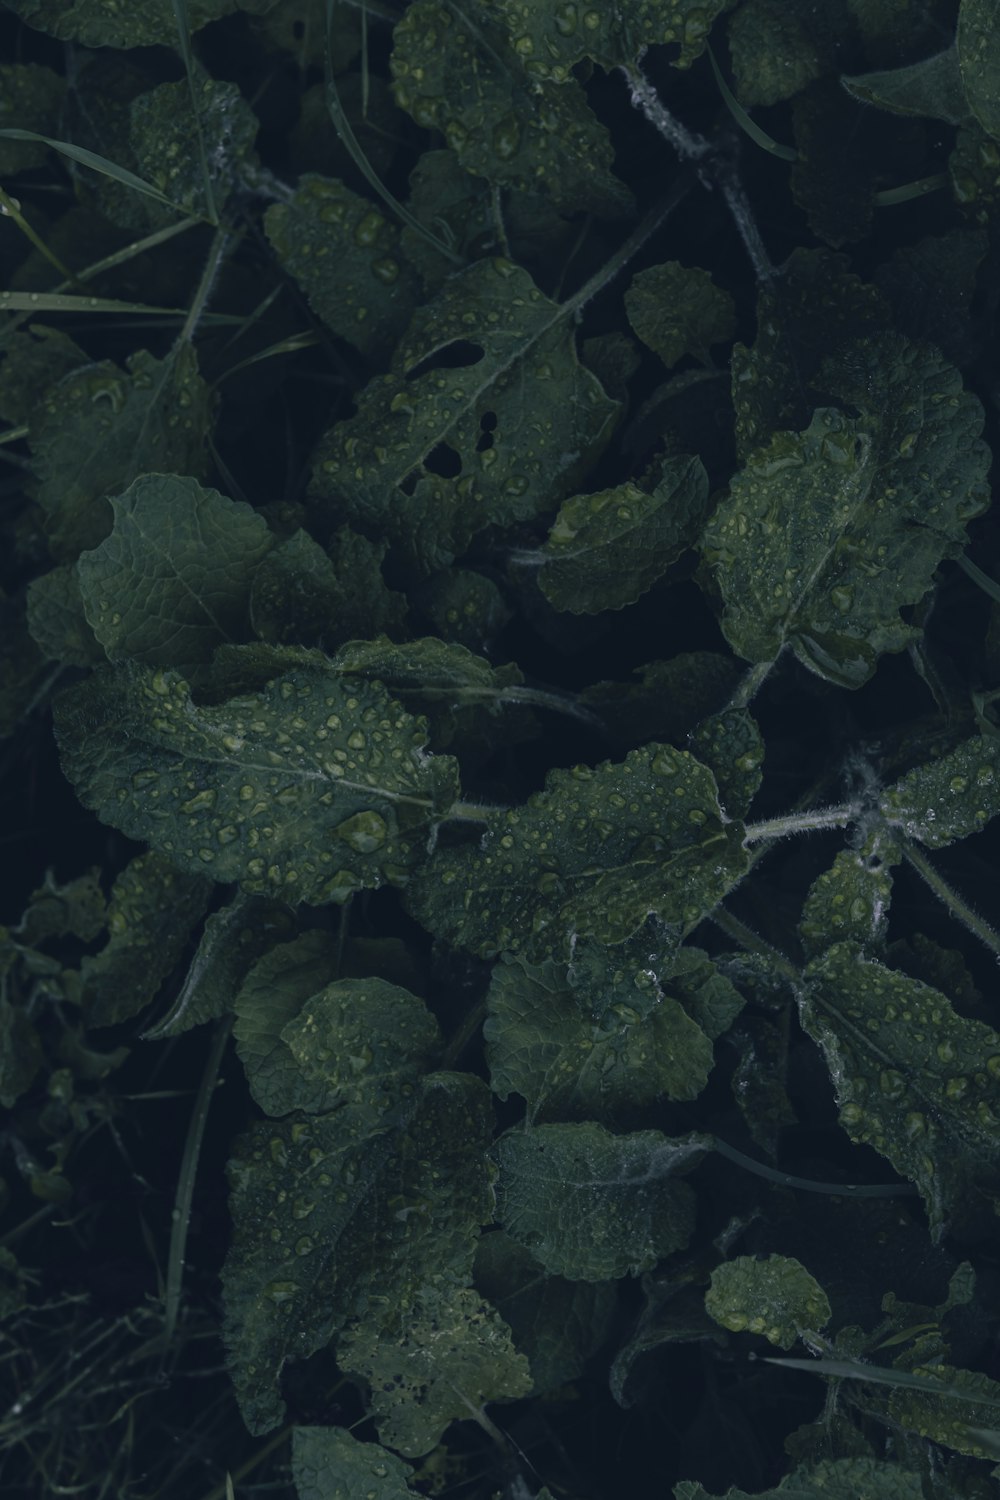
(842, 598)
(565, 19)
(201, 802)
(367, 230)
(305, 1246)
(280, 1291)
(227, 833)
(507, 137)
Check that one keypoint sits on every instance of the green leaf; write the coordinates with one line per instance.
(329, 1463)
(352, 1045)
(470, 82)
(605, 550)
(948, 798)
(105, 23)
(57, 620)
(453, 1354)
(849, 903)
(557, 1324)
(978, 44)
(98, 429)
(551, 37)
(34, 358)
(779, 46)
(330, 1224)
(914, 1079)
(731, 745)
(22, 1055)
(830, 1479)
(433, 455)
(678, 310)
(297, 791)
(776, 1297)
(543, 1042)
(169, 141)
(346, 257)
(593, 1206)
(172, 579)
(152, 911)
(31, 98)
(931, 88)
(593, 855)
(667, 701)
(302, 594)
(827, 534)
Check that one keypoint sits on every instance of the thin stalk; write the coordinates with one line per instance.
(956, 904)
(807, 822)
(204, 291)
(11, 209)
(811, 1185)
(747, 938)
(185, 1182)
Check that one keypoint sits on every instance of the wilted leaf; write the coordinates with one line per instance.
(225, 789)
(590, 1205)
(779, 46)
(849, 903)
(776, 1297)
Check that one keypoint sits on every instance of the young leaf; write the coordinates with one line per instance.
(948, 798)
(308, 790)
(31, 98)
(776, 1297)
(346, 257)
(58, 622)
(593, 855)
(172, 579)
(731, 745)
(542, 1042)
(593, 1206)
(330, 1224)
(469, 81)
(557, 1324)
(605, 550)
(779, 46)
(98, 429)
(330, 1463)
(915, 1080)
(551, 37)
(453, 1354)
(830, 1479)
(678, 310)
(894, 487)
(104, 23)
(412, 462)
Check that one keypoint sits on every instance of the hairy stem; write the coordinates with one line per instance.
(956, 904)
(804, 822)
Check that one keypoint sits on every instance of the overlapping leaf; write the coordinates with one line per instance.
(592, 1206)
(914, 1079)
(461, 433)
(776, 1297)
(552, 36)
(308, 790)
(678, 310)
(593, 855)
(847, 903)
(827, 534)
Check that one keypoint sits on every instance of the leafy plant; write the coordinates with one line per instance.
(476, 500)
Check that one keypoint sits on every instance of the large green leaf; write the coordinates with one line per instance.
(914, 1079)
(31, 98)
(330, 1463)
(346, 257)
(332, 1223)
(593, 1206)
(172, 579)
(309, 790)
(948, 798)
(98, 429)
(606, 549)
(467, 78)
(453, 1354)
(775, 1297)
(593, 855)
(445, 444)
(551, 36)
(194, 142)
(544, 1043)
(106, 23)
(954, 1423)
(828, 534)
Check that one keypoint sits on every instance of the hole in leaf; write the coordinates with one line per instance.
(454, 356)
(298, 30)
(444, 460)
(409, 484)
(487, 424)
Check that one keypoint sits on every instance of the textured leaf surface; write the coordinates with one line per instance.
(105, 23)
(849, 903)
(470, 83)
(461, 433)
(827, 534)
(58, 622)
(913, 1078)
(543, 1042)
(551, 37)
(605, 550)
(776, 1297)
(330, 1463)
(978, 45)
(151, 913)
(353, 1045)
(346, 257)
(99, 429)
(949, 798)
(308, 790)
(945, 1420)
(593, 855)
(678, 310)
(731, 745)
(31, 98)
(557, 1324)
(172, 580)
(779, 46)
(329, 1226)
(453, 1353)
(593, 1206)
(177, 149)
(830, 1479)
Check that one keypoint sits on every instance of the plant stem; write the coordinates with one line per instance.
(748, 939)
(208, 275)
(959, 908)
(807, 822)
